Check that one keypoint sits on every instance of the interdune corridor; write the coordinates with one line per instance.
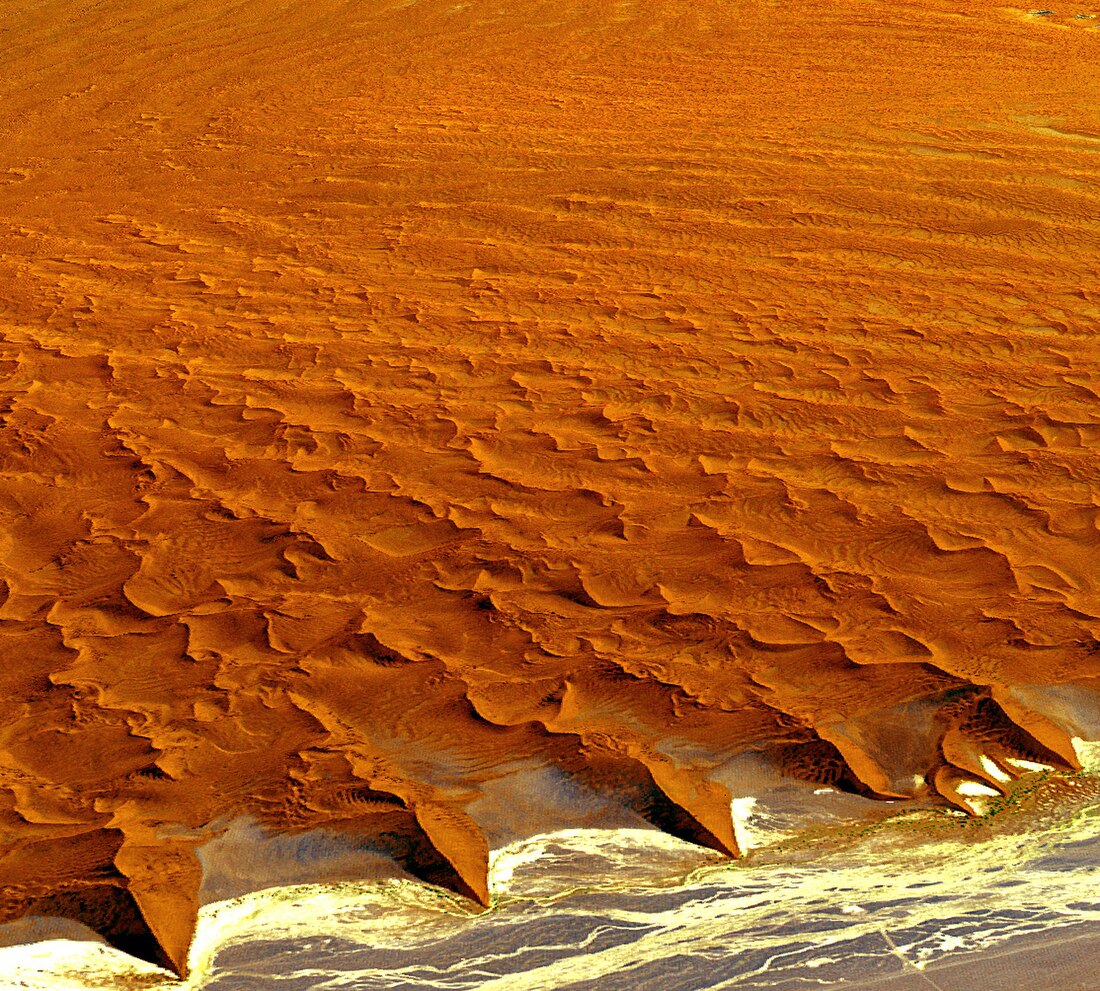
(396, 395)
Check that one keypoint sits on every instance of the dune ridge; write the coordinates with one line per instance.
(396, 395)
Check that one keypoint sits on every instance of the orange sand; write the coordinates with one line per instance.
(395, 392)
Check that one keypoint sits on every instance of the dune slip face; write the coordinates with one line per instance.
(401, 396)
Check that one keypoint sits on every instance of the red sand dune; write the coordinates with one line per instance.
(397, 392)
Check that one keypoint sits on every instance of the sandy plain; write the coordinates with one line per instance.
(397, 395)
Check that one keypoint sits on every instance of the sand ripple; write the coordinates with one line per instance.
(396, 397)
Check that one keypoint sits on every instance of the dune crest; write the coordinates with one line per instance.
(397, 394)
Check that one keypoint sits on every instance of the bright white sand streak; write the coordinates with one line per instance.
(631, 909)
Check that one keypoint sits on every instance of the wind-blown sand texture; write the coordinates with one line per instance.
(400, 394)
